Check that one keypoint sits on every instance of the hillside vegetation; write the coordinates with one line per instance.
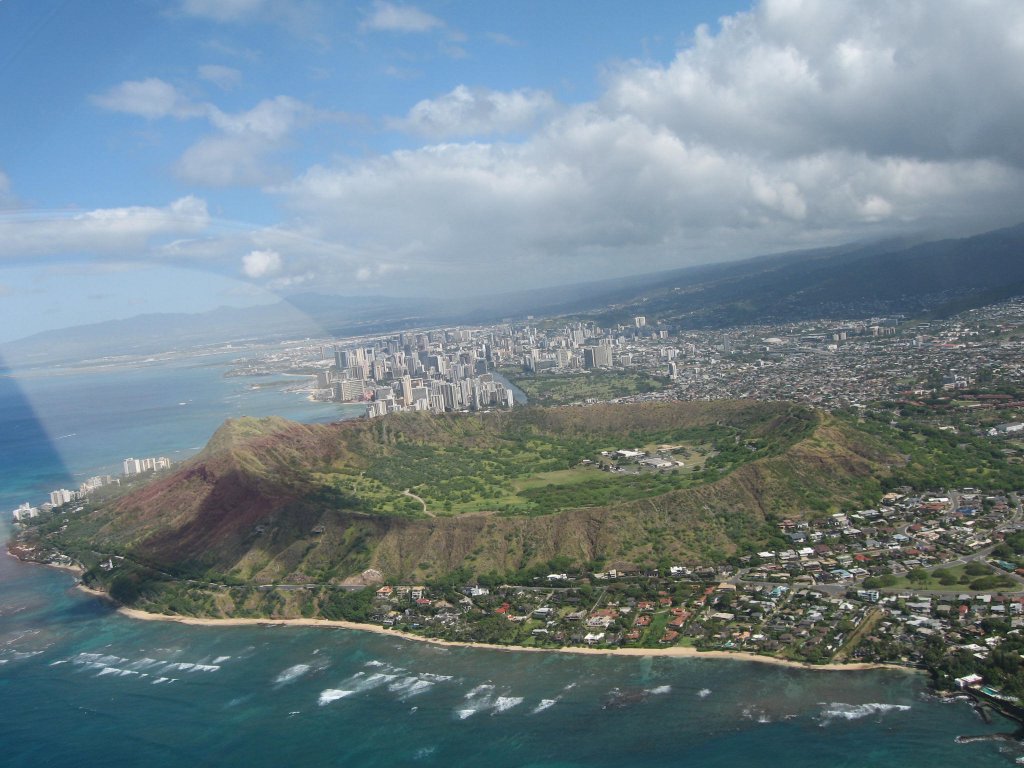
(275, 501)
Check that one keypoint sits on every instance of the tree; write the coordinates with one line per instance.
(125, 588)
(985, 583)
(976, 568)
(876, 582)
(352, 606)
(918, 576)
(1004, 551)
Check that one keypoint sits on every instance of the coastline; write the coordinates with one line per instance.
(73, 568)
(672, 652)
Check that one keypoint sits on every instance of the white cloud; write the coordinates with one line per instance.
(242, 149)
(875, 208)
(389, 17)
(223, 77)
(6, 195)
(224, 161)
(502, 39)
(241, 152)
(304, 18)
(797, 124)
(800, 123)
(151, 98)
(781, 196)
(801, 76)
(467, 111)
(257, 264)
(270, 119)
(223, 10)
(103, 232)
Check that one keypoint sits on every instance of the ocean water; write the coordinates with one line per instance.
(60, 426)
(81, 685)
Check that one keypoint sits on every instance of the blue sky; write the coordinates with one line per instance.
(180, 155)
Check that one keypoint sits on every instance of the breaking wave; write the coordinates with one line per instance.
(544, 704)
(332, 694)
(293, 672)
(482, 698)
(840, 711)
(109, 665)
(505, 703)
(187, 666)
(756, 714)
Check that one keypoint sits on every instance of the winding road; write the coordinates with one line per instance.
(411, 495)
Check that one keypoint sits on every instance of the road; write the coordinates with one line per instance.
(408, 492)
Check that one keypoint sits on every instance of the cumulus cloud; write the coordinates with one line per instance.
(103, 232)
(797, 124)
(257, 264)
(467, 111)
(223, 77)
(390, 17)
(594, 195)
(270, 119)
(151, 98)
(794, 77)
(239, 152)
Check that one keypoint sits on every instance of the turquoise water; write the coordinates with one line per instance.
(59, 427)
(81, 685)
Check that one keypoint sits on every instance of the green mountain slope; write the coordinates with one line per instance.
(263, 501)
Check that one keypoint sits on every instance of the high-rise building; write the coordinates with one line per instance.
(350, 390)
(138, 466)
(63, 496)
(597, 357)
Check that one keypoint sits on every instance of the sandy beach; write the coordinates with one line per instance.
(671, 652)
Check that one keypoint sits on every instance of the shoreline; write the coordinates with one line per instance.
(672, 652)
(74, 568)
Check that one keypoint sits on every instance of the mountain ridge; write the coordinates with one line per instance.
(253, 506)
(892, 276)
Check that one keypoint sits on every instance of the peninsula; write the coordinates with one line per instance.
(764, 530)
